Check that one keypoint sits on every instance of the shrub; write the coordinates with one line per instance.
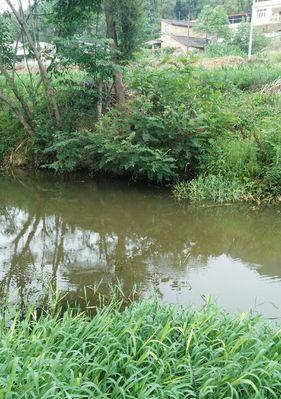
(223, 49)
(11, 133)
(271, 139)
(106, 154)
(241, 38)
(232, 157)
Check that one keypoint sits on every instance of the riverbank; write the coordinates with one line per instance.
(149, 350)
(213, 134)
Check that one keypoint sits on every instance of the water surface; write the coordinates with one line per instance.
(75, 233)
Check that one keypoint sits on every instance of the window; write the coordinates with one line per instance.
(261, 14)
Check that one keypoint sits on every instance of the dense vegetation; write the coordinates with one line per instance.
(218, 129)
(147, 351)
(100, 107)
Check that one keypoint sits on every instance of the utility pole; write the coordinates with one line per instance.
(188, 31)
(251, 42)
(251, 33)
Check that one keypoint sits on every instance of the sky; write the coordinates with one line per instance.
(4, 7)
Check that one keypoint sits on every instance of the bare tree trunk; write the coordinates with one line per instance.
(19, 97)
(112, 34)
(99, 103)
(119, 86)
(22, 118)
(42, 69)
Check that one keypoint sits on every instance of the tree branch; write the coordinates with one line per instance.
(42, 69)
(28, 127)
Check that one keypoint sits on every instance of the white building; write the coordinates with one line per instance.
(266, 13)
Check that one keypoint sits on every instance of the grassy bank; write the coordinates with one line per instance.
(147, 351)
(213, 133)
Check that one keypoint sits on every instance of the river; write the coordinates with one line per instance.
(74, 232)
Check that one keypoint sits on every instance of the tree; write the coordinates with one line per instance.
(185, 9)
(111, 32)
(123, 19)
(18, 95)
(214, 22)
(241, 38)
(10, 95)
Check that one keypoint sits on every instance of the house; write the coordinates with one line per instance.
(266, 14)
(184, 43)
(179, 35)
(173, 27)
(236, 19)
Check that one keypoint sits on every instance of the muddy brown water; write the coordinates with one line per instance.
(75, 233)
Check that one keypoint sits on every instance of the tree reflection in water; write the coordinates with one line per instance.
(78, 234)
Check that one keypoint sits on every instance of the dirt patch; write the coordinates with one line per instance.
(231, 61)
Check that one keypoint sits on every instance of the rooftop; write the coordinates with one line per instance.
(195, 42)
(177, 22)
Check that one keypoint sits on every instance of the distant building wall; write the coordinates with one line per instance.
(170, 29)
(168, 41)
(266, 13)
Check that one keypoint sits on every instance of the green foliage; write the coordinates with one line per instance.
(245, 77)
(223, 49)
(232, 157)
(183, 9)
(147, 351)
(214, 189)
(241, 39)
(214, 22)
(92, 57)
(238, 43)
(76, 19)
(70, 18)
(6, 39)
(119, 155)
(271, 139)
(181, 123)
(11, 133)
(152, 137)
(129, 18)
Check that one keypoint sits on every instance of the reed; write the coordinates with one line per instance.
(149, 350)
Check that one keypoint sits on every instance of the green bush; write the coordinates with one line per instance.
(11, 133)
(153, 137)
(223, 50)
(271, 141)
(238, 44)
(120, 155)
(245, 77)
(241, 39)
(232, 157)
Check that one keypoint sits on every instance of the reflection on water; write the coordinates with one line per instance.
(79, 233)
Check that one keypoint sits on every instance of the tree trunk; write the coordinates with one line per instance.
(19, 97)
(22, 118)
(119, 86)
(112, 34)
(42, 69)
(99, 103)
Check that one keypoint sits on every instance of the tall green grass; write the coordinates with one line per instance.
(147, 351)
(213, 189)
